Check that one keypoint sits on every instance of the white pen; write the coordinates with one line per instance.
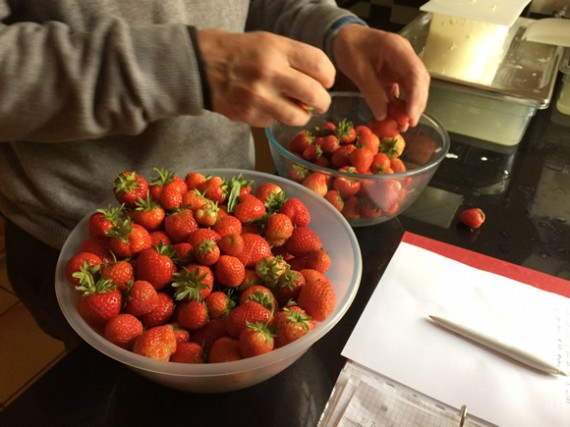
(515, 353)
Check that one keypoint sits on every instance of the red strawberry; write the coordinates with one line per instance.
(319, 260)
(128, 239)
(251, 278)
(129, 187)
(397, 165)
(334, 198)
(231, 244)
(249, 208)
(207, 252)
(397, 111)
(346, 132)
(369, 141)
(317, 296)
(193, 179)
(180, 224)
(156, 266)
(289, 286)
(209, 333)
(157, 343)
(255, 339)
(303, 241)
(350, 210)
(249, 311)
(192, 315)
(387, 128)
(182, 253)
(161, 314)
(297, 173)
(472, 218)
(193, 200)
(255, 248)
(271, 268)
(313, 152)
(219, 304)
(224, 349)
(260, 294)
(316, 182)
(123, 330)
(300, 141)
(346, 185)
(361, 159)
(172, 193)
(328, 144)
(291, 323)
(193, 283)
(202, 234)
(99, 247)
(182, 335)
(341, 157)
(380, 163)
(278, 228)
(141, 298)
(393, 147)
(368, 209)
(214, 188)
(207, 214)
(229, 271)
(148, 213)
(119, 272)
(188, 352)
(82, 263)
(228, 224)
(101, 221)
(160, 237)
(99, 302)
(297, 211)
(268, 192)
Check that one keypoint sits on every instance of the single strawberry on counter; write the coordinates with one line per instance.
(472, 218)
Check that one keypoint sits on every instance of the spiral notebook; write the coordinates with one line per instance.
(403, 371)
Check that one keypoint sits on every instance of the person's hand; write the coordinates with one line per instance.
(256, 77)
(382, 65)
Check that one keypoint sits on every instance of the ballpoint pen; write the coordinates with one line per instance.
(505, 349)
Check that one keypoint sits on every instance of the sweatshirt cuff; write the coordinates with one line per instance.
(206, 93)
(335, 29)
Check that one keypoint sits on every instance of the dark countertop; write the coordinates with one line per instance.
(525, 192)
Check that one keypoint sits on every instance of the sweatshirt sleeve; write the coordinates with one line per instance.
(309, 21)
(58, 84)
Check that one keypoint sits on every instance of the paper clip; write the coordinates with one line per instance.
(462, 415)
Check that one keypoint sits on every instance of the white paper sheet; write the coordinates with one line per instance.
(394, 337)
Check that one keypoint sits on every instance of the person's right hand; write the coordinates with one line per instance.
(254, 77)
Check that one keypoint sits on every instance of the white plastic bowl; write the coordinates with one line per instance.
(345, 273)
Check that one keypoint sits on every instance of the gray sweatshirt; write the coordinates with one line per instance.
(91, 88)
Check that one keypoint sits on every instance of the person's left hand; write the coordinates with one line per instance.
(382, 65)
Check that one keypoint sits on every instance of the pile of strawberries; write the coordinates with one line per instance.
(369, 149)
(201, 269)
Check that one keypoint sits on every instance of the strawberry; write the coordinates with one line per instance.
(82, 263)
(386, 194)
(317, 296)
(255, 249)
(172, 193)
(387, 128)
(209, 333)
(201, 234)
(249, 208)
(278, 228)
(327, 128)
(102, 220)
(224, 349)
(160, 237)
(380, 163)
(334, 198)
(148, 213)
(188, 352)
(319, 260)
(297, 173)
(288, 286)
(158, 343)
(193, 283)
(397, 165)
(303, 241)
(312, 153)
(300, 141)
(119, 272)
(140, 298)
(156, 266)
(297, 211)
(182, 335)
(192, 315)
(260, 294)
(361, 159)
(229, 271)
(129, 187)
(207, 214)
(362, 130)
(291, 323)
(180, 224)
(317, 182)
(271, 268)
(207, 252)
(161, 314)
(228, 224)
(345, 185)
(99, 247)
(394, 146)
(182, 253)
(219, 304)
(268, 192)
(193, 200)
(397, 111)
(251, 278)
(249, 311)
(128, 238)
(123, 330)
(369, 141)
(472, 218)
(368, 209)
(194, 179)
(99, 302)
(345, 132)
(328, 144)
(214, 188)
(341, 157)
(231, 244)
(255, 339)
(350, 210)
